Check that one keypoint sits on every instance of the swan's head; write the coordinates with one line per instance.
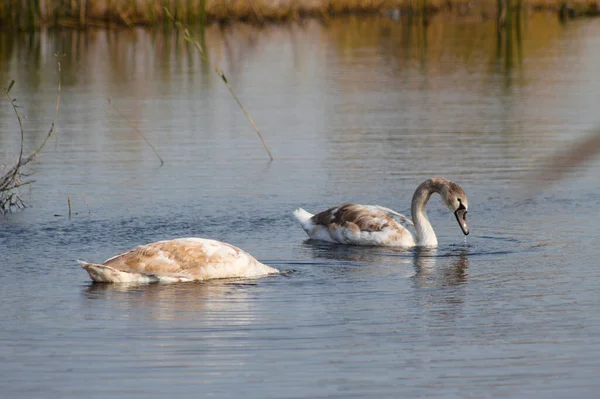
(456, 200)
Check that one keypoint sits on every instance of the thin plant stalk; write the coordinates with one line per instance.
(86, 204)
(69, 204)
(259, 17)
(14, 107)
(11, 180)
(82, 9)
(188, 38)
(138, 131)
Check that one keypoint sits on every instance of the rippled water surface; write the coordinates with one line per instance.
(356, 110)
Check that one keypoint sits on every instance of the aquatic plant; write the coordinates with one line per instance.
(188, 38)
(13, 178)
(138, 131)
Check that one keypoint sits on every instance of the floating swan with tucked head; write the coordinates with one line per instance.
(375, 225)
(182, 259)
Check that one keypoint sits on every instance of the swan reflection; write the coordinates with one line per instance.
(430, 268)
(183, 301)
(363, 260)
(440, 270)
(440, 281)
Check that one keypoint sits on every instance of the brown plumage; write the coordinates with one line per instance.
(183, 259)
(356, 217)
(375, 225)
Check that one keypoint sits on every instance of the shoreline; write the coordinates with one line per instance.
(123, 13)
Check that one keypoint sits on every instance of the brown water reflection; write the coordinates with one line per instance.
(135, 56)
(135, 67)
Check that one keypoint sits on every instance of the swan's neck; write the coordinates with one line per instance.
(425, 234)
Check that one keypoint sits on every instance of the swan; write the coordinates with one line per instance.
(182, 259)
(356, 224)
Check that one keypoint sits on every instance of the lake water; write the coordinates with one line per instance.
(356, 109)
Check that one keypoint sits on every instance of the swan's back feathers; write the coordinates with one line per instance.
(360, 225)
(398, 217)
(183, 259)
(365, 217)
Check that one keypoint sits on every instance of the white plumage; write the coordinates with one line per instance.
(182, 259)
(357, 224)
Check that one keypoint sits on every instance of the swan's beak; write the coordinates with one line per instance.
(461, 218)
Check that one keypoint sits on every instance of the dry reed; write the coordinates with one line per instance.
(138, 131)
(33, 14)
(69, 204)
(12, 179)
(86, 204)
(188, 38)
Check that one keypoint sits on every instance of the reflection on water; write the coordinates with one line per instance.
(441, 279)
(176, 301)
(365, 261)
(356, 254)
(430, 268)
(452, 273)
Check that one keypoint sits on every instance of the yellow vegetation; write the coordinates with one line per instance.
(30, 14)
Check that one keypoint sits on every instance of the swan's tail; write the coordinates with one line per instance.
(305, 218)
(107, 274)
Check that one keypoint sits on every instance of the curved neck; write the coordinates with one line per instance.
(425, 234)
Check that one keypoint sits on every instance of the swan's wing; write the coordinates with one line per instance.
(366, 217)
(194, 258)
(398, 217)
(365, 224)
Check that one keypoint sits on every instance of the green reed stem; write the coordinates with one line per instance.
(138, 131)
(188, 38)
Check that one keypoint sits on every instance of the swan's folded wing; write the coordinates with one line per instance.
(372, 225)
(362, 225)
(366, 217)
(398, 217)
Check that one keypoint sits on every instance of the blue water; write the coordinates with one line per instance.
(358, 110)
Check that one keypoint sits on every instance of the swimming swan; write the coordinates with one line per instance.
(182, 259)
(375, 225)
